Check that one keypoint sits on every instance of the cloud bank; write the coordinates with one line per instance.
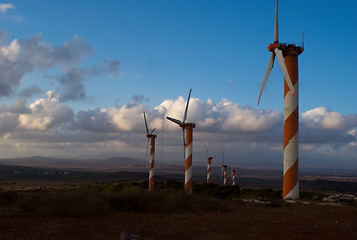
(48, 126)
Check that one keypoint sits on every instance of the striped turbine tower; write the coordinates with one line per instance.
(291, 124)
(152, 137)
(188, 128)
(152, 162)
(188, 156)
(209, 169)
(233, 177)
(224, 167)
(287, 56)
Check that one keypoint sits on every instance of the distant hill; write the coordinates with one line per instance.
(110, 164)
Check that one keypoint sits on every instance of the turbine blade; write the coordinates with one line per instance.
(175, 120)
(188, 100)
(276, 27)
(146, 124)
(267, 72)
(280, 58)
(152, 131)
(206, 148)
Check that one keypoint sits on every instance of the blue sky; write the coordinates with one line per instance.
(107, 61)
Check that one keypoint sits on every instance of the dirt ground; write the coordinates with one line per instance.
(242, 221)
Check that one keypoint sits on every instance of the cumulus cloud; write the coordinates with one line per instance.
(224, 116)
(45, 113)
(45, 55)
(323, 118)
(321, 125)
(72, 86)
(47, 124)
(128, 117)
(95, 120)
(23, 56)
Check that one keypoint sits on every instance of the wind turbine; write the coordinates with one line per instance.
(233, 177)
(208, 165)
(152, 137)
(224, 167)
(188, 127)
(287, 56)
(224, 170)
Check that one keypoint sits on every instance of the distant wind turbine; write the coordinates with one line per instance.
(287, 56)
(233, 177)
(188, 128)
(208, 164)
(224, 169)
(152, 137)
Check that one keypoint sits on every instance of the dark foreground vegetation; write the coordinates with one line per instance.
(106, 198)
(103, 199)
(105, 210)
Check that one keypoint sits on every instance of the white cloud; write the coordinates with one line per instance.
(45, 113)
(10, 52)
(47, 126)
(223, 116)
(23, 56)
(4, 7)
(323, 126)
(127, 118)
(323, 118)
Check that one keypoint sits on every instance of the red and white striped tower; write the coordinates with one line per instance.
(188, 128)
(287, 56)
(188, 153)
(233, 177)
(152, 137)
(224, 175)
(152, 160)
(209, 169)
(291, 123)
